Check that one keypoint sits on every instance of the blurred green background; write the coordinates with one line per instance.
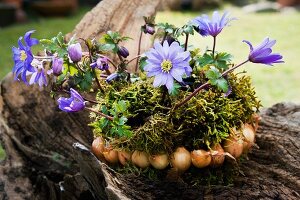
(273, 84)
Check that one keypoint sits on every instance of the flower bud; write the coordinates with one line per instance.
(112, 77)
(149, 29)
(57, 66)
(123, 52)
(170, 39)
(75, 52)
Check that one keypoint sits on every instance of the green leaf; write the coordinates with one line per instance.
(60, 38)
(107, 47)
(142, 63)
(222, 84)
(175, 90)
(212, 74)
(215, 78)
(206, 59)
(122, 120)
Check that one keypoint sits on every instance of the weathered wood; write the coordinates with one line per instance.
(125, 17)
(43, 163)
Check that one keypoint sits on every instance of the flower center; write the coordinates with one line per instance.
(23, 55)
(166, 66)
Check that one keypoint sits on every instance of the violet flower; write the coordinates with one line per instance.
(263, 53)
(167, 63)
(101, 63)
(212, 27)
(73, 104)
(75, 52)
(38, 76)
(57, 67)
(23, 57)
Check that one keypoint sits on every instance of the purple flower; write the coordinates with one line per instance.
(38, 76)
(263, 53)
(73, 104)
(123, 52)
(212, 27)
(101, 63)
(23, 57)
(167, 63)
(112, 77)
(57, 67)
(75, 52)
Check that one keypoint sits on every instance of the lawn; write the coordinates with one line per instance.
(273, 84)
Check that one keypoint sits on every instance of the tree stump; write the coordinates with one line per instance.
(48, 157)
(48, 151)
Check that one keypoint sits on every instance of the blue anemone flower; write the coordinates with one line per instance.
(206, 26)
(167, 63)
(39, 75)
(263, 53)
(23, 57)
(73, 104)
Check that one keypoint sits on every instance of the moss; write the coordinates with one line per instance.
(205, 120)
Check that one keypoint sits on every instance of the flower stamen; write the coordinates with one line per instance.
(166, 66)
(23, 55)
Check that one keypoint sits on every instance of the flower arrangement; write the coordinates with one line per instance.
(179, 110)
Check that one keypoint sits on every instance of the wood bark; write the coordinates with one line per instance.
(126, 17)
(48, 157)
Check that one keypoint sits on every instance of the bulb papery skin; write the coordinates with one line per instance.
(111, 155)
(181, 159)
(98, 146)
(140, 159)
(159, 161)
(249, 136)
(234, 146)
(124, 157)
(218, 159)
(201, 158)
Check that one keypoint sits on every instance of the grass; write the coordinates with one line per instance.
(273, 84)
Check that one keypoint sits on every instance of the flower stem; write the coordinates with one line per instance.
(77, 65)
(214, 46)
(164, 38)
(100, 113)
(98, 82)
(138, 53)
(205, 85)
(138, 56)
(186, 41)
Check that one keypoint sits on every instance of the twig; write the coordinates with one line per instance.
(205, 85)
(100, 113)
(138, 53)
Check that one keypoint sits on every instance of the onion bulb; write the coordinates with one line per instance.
(234, 146)
(160, 161)
(200, 158)
(249, 135)
(98, 147)
(217, 156)
(111, 155)
(124, 157)
(140, 159)
(181, 159)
